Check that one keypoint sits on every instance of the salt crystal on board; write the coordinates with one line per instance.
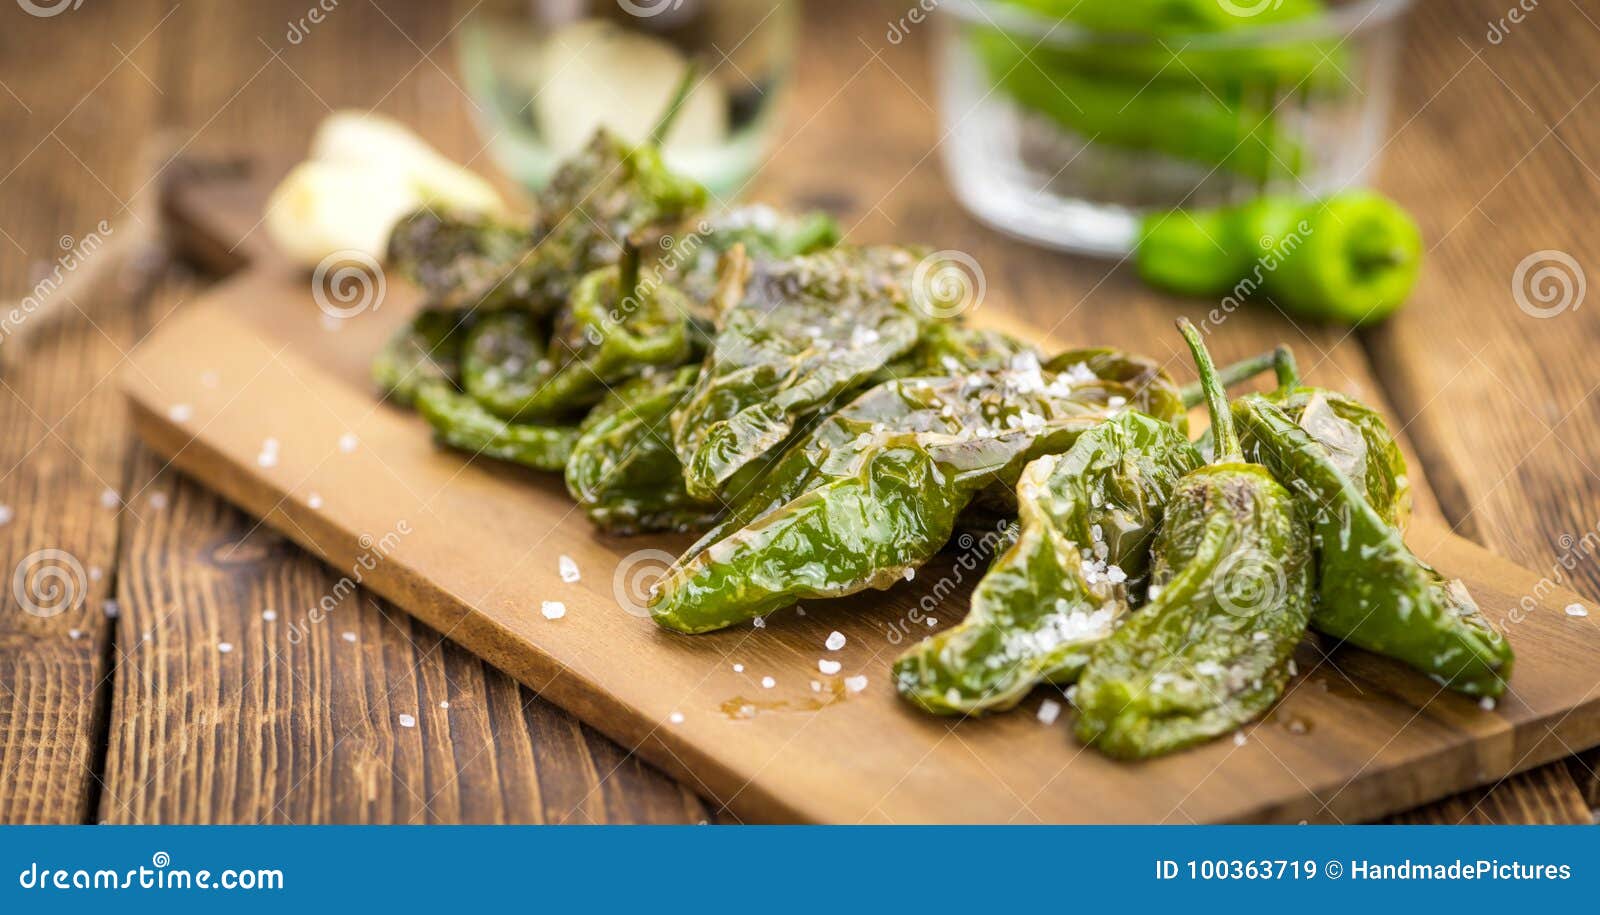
(835, 640)
(768, 683)
(855, 684)
(406, 721)
(553, 609)
(1577, 610)
(1049, 711)
(828, 667)
(223, 647)
(568, 569)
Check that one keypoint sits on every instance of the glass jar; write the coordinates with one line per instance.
(543, 74)
(1066, 135)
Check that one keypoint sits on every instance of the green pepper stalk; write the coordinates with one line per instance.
(1230, 598)
(1087, 520)
(1351, 258)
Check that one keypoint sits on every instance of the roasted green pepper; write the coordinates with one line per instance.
(795, 334)
(1372, 591)
(426, 349)
(623, 471)
(462, 423)
(616, 326)
(877, 490)
(1230, 597)
(1087, 517)
(1352, 257)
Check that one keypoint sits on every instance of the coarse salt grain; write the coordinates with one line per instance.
(158, 500)
(348, 442)
(932, 622)
(1049, 711)
(109, 498)
(180, 412)
(1577, 610)
(855, 684)
(553, 609)
(348, 636)
(223, 647)
(444, 703)
(6, 514)
(112, 609)
(314, 500)
(676, 718)
(768, 683)
(835, 640)
(759, 622)
(1486, 703)
(267, 459)
(75, 634)
(1238, 738)
(828, 667)
(568, 568)
(738, 668)
(269, 615)
(406, 721)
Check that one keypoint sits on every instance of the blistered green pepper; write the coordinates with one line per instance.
(877, 490)
(462, 423)
(462, 260)
(623, 471)
(795, 334)
(948, 347)
(616, 326)
(426, 349)
(1372, 591)
(1230, 597)
(1087, 518)
(1352, 258)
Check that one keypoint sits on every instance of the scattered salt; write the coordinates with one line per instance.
(223, 647)
(109, 498)
(406, 721)
(75, 634)
(112, 609)
(314, 500)
(932, 622)
(909, 573)
(855, 684)
(835, 640)
(568, 568)
(1238, 738)
(267, 459)
(1049, 711)
(553, 609)
(348, 636)
(158, 500)
(6, 514)
(180, 412)
(1577, 610)
(348, 442)
(816, 687)
(1486, 703)
(759, 622)
(828, 667)
(676, 718)
(738, 668)
(269, 615)
(444, 703)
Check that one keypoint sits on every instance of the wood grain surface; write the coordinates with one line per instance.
(221, 76)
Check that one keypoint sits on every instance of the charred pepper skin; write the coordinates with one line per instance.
(1087, 521)
(1374, 592)
(859, 508)
(462, 260)
(1231, 597)
(795, 335)
(428, 349)
(623, 471)
(462, 423)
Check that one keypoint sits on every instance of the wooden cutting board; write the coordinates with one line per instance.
(472, 548)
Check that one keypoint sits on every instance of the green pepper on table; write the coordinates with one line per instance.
(795, 335)
(1372, 591)
(623, 471)
(1352, 257)
(1230, 597)
(462, 423)
(427, 349)
(1087, 519)
(877, 489)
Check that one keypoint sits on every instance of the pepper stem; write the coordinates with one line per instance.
(628, 276)
(1225, 439)
(1283, 365)
(669, 116)
(1230, 375)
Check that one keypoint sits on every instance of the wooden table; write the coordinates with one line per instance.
(125, 711)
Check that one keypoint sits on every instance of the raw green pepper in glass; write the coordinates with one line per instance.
(1230, 597)
(876, 491)
(623, 471)
(1351, 258)
(1087, 519)
(462, 423)
(1372, 591)
(795, 334)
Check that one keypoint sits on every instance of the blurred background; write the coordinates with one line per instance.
(1479, 116)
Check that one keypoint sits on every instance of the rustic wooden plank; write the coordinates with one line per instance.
(1498, 155)
(233, 703)
(64, 242)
